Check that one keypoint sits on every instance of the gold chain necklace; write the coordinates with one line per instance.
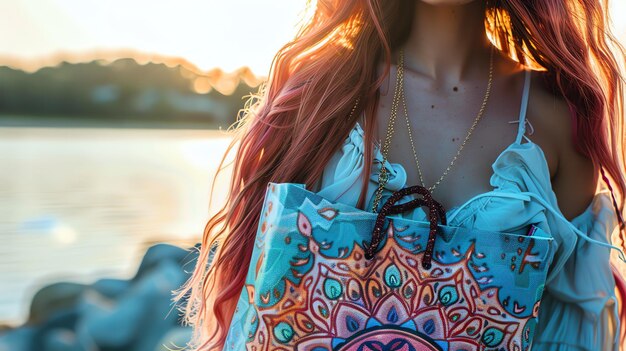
(408, 125)
(383, 176)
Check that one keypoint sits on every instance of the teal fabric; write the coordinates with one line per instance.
(579, 307)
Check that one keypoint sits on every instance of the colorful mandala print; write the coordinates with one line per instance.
(309, 288)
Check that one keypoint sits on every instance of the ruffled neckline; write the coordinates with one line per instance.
(508, 157)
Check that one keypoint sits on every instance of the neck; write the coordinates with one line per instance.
(447, 42)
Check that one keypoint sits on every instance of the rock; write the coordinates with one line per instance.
(19, 339)
(61, 340)
(53, 298)
(112, 314)
(138, 318)
(111, 288)
(160, 252)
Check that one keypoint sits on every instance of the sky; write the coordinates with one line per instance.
(209, 33)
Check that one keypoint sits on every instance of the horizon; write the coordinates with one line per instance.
(110, 56)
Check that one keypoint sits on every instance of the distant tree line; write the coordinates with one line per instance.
(123, 90)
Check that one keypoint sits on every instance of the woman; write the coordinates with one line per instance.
(553, 68)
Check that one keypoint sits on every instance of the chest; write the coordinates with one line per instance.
(430, 136)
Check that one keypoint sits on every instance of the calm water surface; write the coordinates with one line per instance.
(78, 204)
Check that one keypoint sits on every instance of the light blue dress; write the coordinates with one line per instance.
(579, 307)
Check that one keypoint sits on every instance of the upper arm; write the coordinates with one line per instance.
(575, 181)
(575, 175)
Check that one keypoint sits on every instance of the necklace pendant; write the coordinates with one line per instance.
(384, 177)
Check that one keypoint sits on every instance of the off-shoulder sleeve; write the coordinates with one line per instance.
(579, 308)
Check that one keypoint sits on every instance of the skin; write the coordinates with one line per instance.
(446, 65)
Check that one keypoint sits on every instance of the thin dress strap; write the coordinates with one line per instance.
(522, 112)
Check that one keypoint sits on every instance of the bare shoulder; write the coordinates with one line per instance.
(573, 175)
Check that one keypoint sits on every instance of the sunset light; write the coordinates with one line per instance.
(207, 33)
(139, 139)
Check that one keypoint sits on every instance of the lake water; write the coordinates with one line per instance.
(78, 204)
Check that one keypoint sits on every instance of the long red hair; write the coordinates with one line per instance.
(297, 120)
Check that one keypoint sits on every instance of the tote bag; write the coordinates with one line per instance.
(426, 286)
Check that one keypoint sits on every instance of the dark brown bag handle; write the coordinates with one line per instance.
(435, 211)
